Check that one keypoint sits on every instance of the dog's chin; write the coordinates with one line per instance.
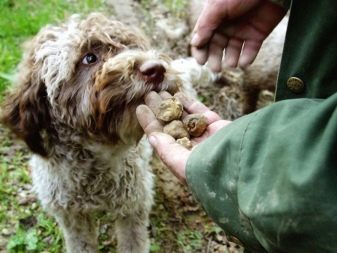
(137, 96)
(171, 86)
(115, 115)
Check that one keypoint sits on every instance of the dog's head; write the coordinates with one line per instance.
(88, 74)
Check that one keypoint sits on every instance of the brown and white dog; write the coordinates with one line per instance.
(74, 105)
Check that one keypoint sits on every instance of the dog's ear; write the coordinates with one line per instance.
(25, 109)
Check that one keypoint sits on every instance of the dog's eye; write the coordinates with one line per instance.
(89, 59)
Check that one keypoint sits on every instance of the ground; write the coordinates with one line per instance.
(178, 224)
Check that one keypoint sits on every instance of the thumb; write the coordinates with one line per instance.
(171, 153)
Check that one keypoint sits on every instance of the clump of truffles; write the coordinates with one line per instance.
(176, 129)
(195, 124)
(185, 142)
(170, 109)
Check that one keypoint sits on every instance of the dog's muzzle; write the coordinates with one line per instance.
(152, 71)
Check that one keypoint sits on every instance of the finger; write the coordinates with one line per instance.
(232, 53)
(249, 52)
(209, 19)
(165, 95)
(171, 153)
(216, 49)
(147, 120)
(153, 100)
(216, 126)
(200, 54)
(193, 106)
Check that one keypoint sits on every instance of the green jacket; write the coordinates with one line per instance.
(270, 178)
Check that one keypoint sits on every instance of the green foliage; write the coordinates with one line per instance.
(29, 229)
(24, 241)
(155, 247)
(174, 7)
(40, 236)
(4, 191)
(190, 241)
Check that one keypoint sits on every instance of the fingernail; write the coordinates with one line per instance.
(195, 40)
(153, 140)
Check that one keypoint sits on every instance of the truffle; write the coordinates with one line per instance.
(195, 124)
(185, 142)
(170, 109)
(176, 129)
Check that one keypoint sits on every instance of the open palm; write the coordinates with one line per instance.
(170, 152)
(235, 29)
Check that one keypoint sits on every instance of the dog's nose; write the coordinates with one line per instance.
(152, 71)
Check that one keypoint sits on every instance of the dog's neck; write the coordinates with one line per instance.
(66, 142)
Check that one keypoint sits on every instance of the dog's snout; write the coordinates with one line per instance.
(152, 71)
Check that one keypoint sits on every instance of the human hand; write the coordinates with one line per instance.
(171, 153)
(237, 26)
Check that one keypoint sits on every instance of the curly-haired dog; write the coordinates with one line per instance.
(74, 106)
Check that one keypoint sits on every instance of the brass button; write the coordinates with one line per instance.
(295, 84)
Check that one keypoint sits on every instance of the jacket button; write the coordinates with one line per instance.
(295, 85)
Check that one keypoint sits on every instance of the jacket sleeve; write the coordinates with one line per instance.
(270, 178)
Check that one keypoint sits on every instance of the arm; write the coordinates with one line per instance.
(269, 178)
